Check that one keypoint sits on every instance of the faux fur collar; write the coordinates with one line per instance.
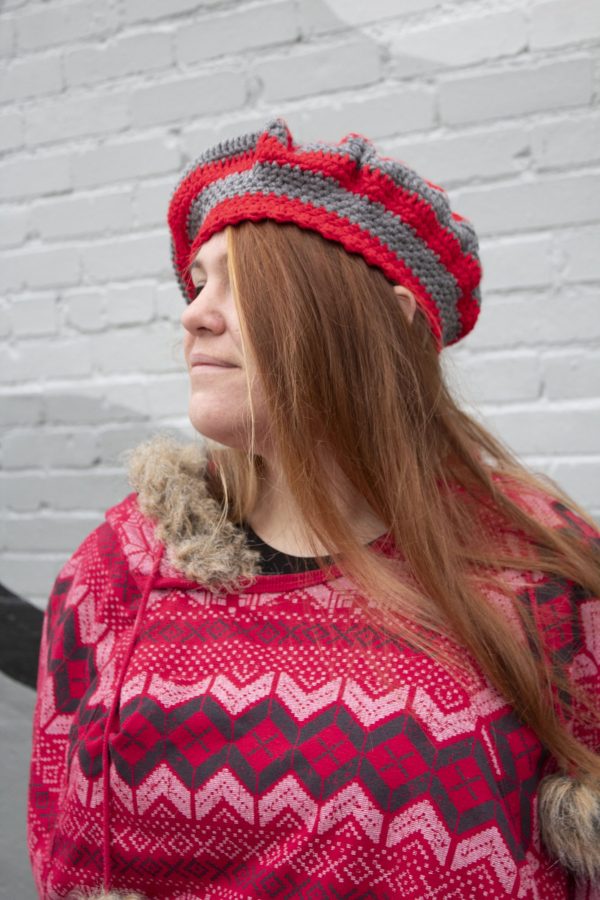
(170, 480)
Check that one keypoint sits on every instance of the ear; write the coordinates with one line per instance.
(407, 301)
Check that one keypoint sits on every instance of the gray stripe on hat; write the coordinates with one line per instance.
(225, 150)
(326, 192)
(363, 153)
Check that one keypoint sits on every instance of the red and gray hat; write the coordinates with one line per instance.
(372, 205)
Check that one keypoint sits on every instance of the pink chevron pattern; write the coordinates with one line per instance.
(261, 751)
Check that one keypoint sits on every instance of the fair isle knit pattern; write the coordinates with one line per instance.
(374, 206)
(269, 744)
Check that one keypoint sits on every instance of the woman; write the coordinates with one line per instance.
(351, 649)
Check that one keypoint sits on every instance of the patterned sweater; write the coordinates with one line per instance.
(268, 743)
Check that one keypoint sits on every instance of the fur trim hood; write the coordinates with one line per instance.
(201, 543)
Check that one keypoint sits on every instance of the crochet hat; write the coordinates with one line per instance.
(372, 205)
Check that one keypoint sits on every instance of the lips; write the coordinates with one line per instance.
(202, 359)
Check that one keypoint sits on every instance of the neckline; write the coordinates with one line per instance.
(284, 563)
(280, 582)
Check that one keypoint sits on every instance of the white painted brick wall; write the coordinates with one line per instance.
(103, 104)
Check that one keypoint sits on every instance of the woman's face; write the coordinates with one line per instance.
(219, 405)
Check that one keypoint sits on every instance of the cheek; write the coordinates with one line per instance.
(187, 343)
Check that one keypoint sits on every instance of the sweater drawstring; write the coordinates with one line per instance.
(106, 862)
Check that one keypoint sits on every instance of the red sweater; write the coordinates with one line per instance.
(265, 744)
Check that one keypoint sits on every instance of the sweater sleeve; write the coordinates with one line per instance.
(91, 595)
(568, 616)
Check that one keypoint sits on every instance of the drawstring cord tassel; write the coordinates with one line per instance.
(106, 863)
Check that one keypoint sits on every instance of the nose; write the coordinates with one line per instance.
(202, 313)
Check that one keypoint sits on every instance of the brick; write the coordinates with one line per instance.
(197, 136)
(151, 10)
(570, 374)
(40, 448)
(51, 268)
(80, 406)
(14, 225)
(123, 160)
(152, 348)
(516, 92)
(87, 490)
(545, 203)
(562, 22)
(128, 55)
(168, 396)
(152, 202)
(461, 42)
(21, 409)
(237, 31)
(5, 323)
(34, 316)
(130, 304)
(199, 95)
(138, 255)
(31, 574)
(80, 216)
(77, 116)
(510, 377)
(548, 430)
(21, 450)
(38, 268)
(42, 534)
(60, 359)
(12, 272)
(7, 37)
(536, 319)
(22, 493)
(30, 77)
(517, 263)
(70, 449)
(68, 358)
(169, 303)
(84, 309)
(125, 402)
(409, 109)
(568, 142)
(34, 176)
(581, 253)
(463, 157)
(323, 16)
(93, 406)
(61, 23)
(114, 443)
(307, 70)
(12, 130)
(580, 478)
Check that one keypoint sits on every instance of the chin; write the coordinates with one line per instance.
(216, 428)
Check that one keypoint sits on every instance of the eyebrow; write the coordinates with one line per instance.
(221, 265)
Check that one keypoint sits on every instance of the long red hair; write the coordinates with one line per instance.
(342, 368)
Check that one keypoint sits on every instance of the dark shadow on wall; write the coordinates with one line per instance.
(20, 635)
